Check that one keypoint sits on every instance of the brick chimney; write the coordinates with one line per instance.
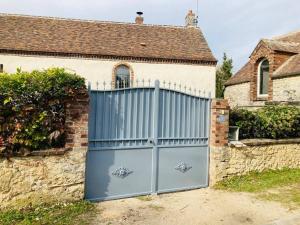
(139, 19)
(191, 19)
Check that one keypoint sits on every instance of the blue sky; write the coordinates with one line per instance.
(234, 26)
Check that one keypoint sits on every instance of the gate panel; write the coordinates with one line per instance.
(119, 160)
(116, 174)
(182, 168)
(182, 142)
(120, 118)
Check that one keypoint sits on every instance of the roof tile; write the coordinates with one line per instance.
(290, 67)
(242, 76)
(54, 35)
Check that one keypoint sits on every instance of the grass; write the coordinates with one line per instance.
(146, 198)
(288, 196)
(58, 214)
(156, 207)
(258, 182)
(273, 185)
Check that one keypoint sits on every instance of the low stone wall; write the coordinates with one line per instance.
(227, 161)
(37, 179)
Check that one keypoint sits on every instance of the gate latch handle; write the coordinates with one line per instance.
(150, 141)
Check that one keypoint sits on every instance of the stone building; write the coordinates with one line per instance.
(272, 74)
(109, 51)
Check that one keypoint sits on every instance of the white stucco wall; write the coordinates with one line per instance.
(238, 95)
(286, 89)
(195, 76)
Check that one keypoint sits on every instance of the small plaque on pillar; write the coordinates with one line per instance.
(221, 118)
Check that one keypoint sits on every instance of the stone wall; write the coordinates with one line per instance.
(232, 161)
(39, 179)
(238, 95)
(51, 175)
(286, 89)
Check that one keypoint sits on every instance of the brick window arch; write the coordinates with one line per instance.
(122, 76)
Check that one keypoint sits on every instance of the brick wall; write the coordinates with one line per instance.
(77, 122)
(219, 123)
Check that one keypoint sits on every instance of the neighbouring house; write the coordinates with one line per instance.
(109, 51)
(271, 75)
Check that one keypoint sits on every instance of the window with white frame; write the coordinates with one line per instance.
(263, 78)
(1, 68)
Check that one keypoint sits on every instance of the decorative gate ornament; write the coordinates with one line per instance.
(183, 167)
(122, 172)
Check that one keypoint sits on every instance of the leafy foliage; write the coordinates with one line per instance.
(224, 72)
(32, 108)
(268, 122)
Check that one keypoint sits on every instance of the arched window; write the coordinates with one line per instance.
(122, 74)
(263, 77)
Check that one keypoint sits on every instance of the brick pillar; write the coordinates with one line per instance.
(77, 121)
(218, 139)
(219, 123)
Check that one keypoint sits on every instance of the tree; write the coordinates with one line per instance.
(224, 72)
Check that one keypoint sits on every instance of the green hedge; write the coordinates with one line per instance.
(32, 108)
(268, 122)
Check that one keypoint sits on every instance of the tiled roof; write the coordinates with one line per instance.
(291, 37)
(83, 37)
(290, 67)
(242, 76)
(284, 46)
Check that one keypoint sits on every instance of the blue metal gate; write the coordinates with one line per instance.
(146, 140)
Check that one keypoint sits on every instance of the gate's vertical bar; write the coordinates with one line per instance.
(208, 136)
(155, 141)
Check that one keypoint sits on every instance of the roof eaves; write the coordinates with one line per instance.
(212, 61)
(260, 43)
(227, 84)
(284, 75)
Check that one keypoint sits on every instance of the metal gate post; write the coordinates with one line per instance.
(155, 139)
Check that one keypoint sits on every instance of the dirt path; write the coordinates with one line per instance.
(197, 207)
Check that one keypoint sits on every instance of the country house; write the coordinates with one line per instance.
(109, 51)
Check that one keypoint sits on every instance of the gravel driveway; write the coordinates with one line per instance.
(197, 207)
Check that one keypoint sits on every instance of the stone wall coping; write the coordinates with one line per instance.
(260, 142)
(292, 103)
(47, 152)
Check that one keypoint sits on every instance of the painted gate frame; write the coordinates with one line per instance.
(155, 147)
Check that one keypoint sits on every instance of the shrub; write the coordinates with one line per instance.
(32, 108)
(268, 122)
